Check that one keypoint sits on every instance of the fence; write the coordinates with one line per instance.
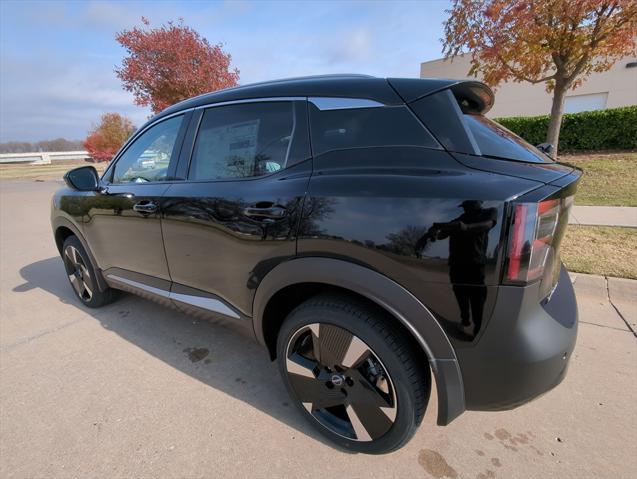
(42, 157)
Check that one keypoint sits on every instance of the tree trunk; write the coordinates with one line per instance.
(557, 111)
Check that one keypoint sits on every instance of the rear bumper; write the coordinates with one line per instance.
(525, 349)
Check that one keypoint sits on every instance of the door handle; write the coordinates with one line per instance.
(145, 207)
(271, 212)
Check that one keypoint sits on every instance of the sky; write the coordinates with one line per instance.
(57, 58)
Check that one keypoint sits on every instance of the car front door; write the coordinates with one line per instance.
(122, 225)
(235, 216)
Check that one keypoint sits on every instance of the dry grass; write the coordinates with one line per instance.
(604, 250)
(54, 171)
(609, 179)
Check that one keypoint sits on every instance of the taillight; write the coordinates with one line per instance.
(532, 238)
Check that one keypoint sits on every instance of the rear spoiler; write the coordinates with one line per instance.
(472, 96)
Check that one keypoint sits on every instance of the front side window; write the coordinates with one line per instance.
(147, 159)
(243, 140)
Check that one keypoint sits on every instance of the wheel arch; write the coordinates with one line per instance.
(294, 281)
(61, 233)
(62, 229)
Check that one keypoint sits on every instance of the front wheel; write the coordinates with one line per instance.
(81, 274)
(353, 374)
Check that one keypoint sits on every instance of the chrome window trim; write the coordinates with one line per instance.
(150, 125)
(322, 103)
(339, 103)
(287, 152)
(203, 302)
(251, 100)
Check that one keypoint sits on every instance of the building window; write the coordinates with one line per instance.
(593, 101)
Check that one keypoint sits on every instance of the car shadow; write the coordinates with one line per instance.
(224, 357)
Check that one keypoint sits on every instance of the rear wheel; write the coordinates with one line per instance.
(353, 375)
(81, 274)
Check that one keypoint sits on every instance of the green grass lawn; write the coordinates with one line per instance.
(53, 171)
(609, 179)
(604, 250)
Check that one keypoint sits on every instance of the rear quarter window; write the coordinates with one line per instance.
(496, 141)
(464, 131)
(366, 127)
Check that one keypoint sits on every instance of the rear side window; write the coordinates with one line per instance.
(243, 140)
(496, 141)
(366, 127)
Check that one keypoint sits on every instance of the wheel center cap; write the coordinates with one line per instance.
(337, 380)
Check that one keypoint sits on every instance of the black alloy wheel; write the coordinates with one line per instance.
(78, 273)
(81, 274)
(353, 374)
(341, 382)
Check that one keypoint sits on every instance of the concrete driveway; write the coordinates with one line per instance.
(136, 390)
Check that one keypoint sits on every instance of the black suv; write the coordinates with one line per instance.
(371, 233)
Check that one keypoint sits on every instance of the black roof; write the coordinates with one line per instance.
(383, 90)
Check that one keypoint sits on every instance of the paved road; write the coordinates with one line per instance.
(127, 392)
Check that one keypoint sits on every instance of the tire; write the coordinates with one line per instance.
(81, 274)
(353, 374)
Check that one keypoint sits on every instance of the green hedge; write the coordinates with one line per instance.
(612, 129)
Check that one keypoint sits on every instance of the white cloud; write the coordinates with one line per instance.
(351, 46)
(42, 99)
(378, 38)
(56, 66)
(112, 16)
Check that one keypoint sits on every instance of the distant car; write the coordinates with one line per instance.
(147, 160)
(371, 233)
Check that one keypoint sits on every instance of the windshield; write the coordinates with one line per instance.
(496, 141)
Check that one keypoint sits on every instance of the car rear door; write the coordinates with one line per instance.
(235, 215)
(123, 226)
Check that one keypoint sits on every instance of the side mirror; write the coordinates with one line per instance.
(272, 166)
(546, 148)
(83, 178)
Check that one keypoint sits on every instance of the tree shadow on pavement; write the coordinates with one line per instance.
(224, 357)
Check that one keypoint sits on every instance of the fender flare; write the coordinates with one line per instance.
(389, 295)
(60, 222)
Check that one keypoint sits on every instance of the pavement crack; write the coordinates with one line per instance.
(39, 335)
(628, 325)
(604, 326)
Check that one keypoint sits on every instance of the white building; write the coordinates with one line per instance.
(611, 89)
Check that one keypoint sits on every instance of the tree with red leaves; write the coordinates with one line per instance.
(171, 63)
(105, 139)
(557, 42)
